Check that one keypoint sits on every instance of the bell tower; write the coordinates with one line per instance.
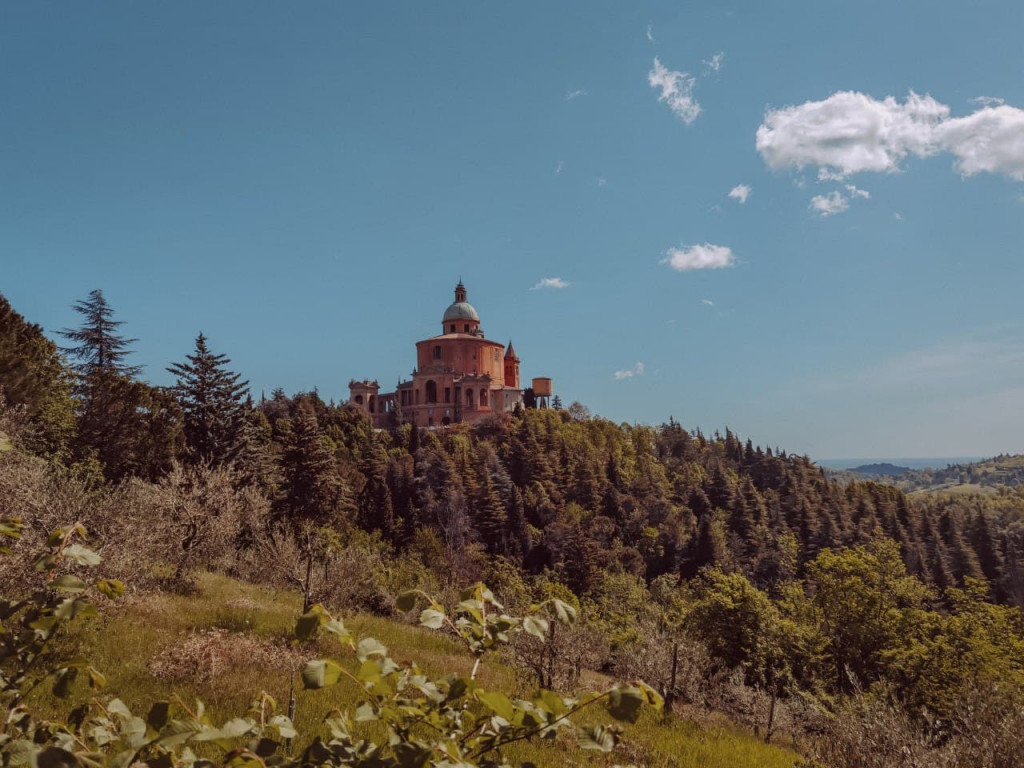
(511, 367)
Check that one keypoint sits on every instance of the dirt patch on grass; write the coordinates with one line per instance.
(211, 653)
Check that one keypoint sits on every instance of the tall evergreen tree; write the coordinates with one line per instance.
(213, 400)
(98, 346)
(313, 490)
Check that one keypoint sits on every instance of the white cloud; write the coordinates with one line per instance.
(898, 216)
(740, 192)
(837, 201)
(551, 282)
(990, 140)
(707, 302)
(650, 32)
(629, 373)
(852, 132)
(706, 256)
(676, 91)
(988, 101)
(714, 63)
(575, 94)
(602, 183)
(830, 204)
(559, 167)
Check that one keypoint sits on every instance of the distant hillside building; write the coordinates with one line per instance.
(460, 376)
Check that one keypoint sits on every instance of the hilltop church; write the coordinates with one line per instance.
(460, 376)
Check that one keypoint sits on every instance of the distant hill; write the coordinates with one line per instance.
(884, 468)
(983, 476)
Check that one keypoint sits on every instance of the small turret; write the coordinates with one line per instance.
(511, 367)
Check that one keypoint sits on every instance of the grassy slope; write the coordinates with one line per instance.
(124, 643)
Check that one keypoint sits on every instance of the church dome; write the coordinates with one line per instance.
(461, 310)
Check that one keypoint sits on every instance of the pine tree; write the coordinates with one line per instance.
(98, 345)
(213, 401)
(313, 491)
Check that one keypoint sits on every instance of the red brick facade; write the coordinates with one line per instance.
(460, 376)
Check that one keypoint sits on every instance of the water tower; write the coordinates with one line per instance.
(542, 391)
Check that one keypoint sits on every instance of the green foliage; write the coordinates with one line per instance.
(29, 624)
(33, 377)
(445, 722)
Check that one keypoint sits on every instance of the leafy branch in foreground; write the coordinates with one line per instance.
(448, 722)
(453, 721)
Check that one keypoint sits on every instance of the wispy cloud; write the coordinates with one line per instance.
(556, 283)
(946, 368)
(851, 132)
(687, 258)
(629, 373)
(676, 91)
(837, 201)
(559, 167)
(707, 302)
(650, 32)
(602, 182)
(740, 192)
(575, 94)
(988, 101)
(829, 205)
(714, 63)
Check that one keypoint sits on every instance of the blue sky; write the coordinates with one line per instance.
(305, 183)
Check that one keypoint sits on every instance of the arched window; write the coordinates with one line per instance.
(431, 391)
(373, 404)
(453, 328)
(465, 328)
(359, 399)
(469, 398)
(437, 352)
(483, 397)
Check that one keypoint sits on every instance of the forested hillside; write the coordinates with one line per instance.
(729, 576)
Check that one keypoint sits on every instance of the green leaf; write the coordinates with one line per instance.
(63, 680)
(321, 673)
(96, 680)
(536, 626)
(564, 612)
(625, 702)
(158, 715)
(370, 646)
(498, 703)
(82, 555)
(598, 738)
(284, 727)
(55, 757)
(112, 588)
(245, 759)
(365, 713)
(432, 619)
(407, 600)
(10, 527)
(309, 623)
(68, 583)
